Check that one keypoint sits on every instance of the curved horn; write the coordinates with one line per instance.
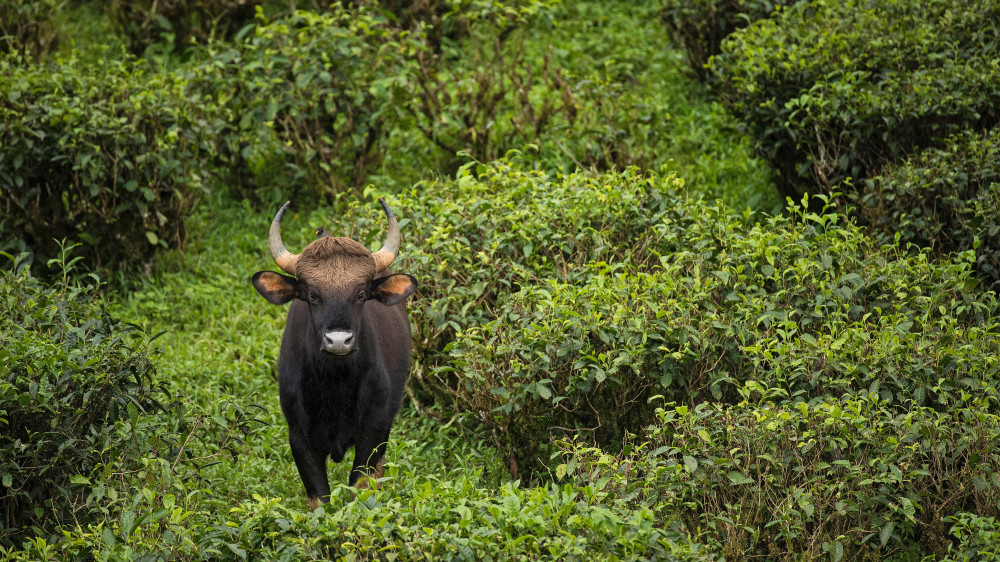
(285, 259)
(385, 256)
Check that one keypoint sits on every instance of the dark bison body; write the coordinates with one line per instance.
(345, 353)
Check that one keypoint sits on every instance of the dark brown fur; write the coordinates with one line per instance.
(333, 401)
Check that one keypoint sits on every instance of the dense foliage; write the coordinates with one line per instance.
(699, 26)
(609, 361)
(844, 478)
(107, 155)
(308, 99)
(946, 199)
(551, 334)
(830, 90)
(73, 383)
(26, 26)
(178, 23)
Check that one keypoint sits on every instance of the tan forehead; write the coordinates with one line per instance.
(333, 263)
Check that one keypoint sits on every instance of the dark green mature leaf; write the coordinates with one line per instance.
(832, 90)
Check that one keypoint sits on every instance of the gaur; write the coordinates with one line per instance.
(345, 352)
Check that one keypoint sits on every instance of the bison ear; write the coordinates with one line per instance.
(276, 288)
(393, 289)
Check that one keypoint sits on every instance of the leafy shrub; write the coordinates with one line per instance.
(830, 90)
(308, 97)
(577, 357)
(481, 95)
(106, 154)
(499, 103)
(947, 199)
(978, 538)
(26, 28)
(839, 477)
(142, 23)
(806, 306)
(475, 240)
(699, 26)
(73, 383)
(451, 20)
(505, 86)
(480, 523)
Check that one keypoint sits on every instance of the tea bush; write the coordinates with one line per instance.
(805, 305)
(445, 21)
(504, 87)
(843, 478)
(577, 357)
(142, 23)
(105, 154)
(404, 520)
(978, 537)
(830, 90)
(699, 26)
(475, 240)
(73, 385)
(26, 26)
(308, 99)
(947, 199)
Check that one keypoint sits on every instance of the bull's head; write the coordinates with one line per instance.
(335, 276)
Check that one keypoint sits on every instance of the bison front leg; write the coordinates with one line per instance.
(369, 458)
(312, 470)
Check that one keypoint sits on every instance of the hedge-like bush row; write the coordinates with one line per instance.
(307, 99)
(838, 478)
(565, 313)
(143, 23)
(476, 240)
(108, 155)
(504, 87)
(699, 26)
(73, 385)
(114, 156)
(26, 26)
(830, 90)
(946, 199)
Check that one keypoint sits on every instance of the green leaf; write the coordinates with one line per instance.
(133, 414)
(838, 551)
(108, 537)
(738, 478)
(128, 522)
(690, 463)
(886, 532)
(543, 391)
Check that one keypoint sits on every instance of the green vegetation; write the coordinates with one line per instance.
(27, 28)
(698, 27)
(878, 99)
(946, 199)
(74, 385)
(832, 90)
(625, 345)
(308, 99)
(177, 24)
(105, 153)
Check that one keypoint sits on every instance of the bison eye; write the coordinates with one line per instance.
(362, 296)
(315, 298)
